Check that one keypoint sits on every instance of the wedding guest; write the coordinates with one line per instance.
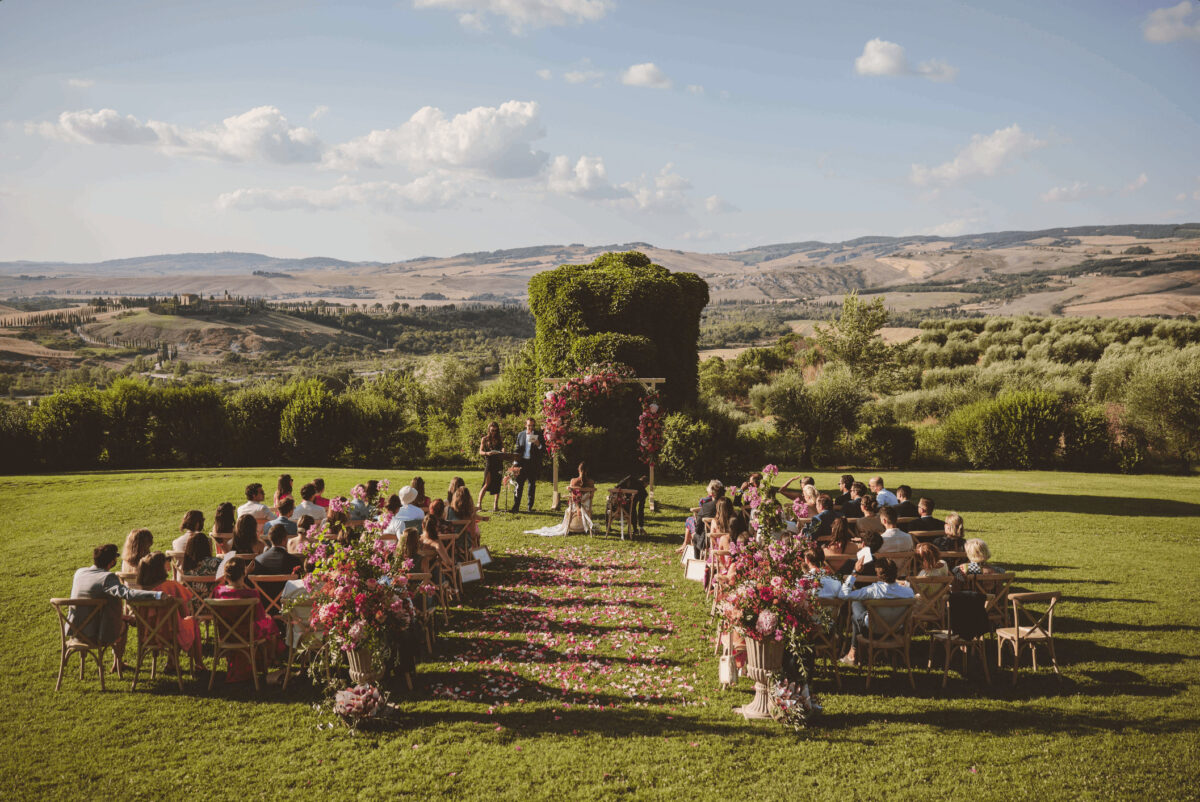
(905, 508)
(137, 546)
(814, 567)
(297, 544)
(853, 506)
(871, 545)
(843, 497)
(723, 515)
(953, 539)
(430, 542)
(839, 542)
(455, 484)
(404, 512)
(276, 560)
(264, 626)
(283, 489)
(926, 522)
(806, 505)
(928, 562)
(318, 498)
(870, 522)
(307, 506)
(694, 530)
(337, 526)
(977, 563)
(422, 500)
(638, 505)
(739, 529)
(491, 448)
(254, 506)
(193, 521)
(245, 542)
(97, 581)
(754, 481)
(893, 539)
(152, 574)
(284, 519)
(462, 508)
(198, 557)
(223, 523)
(885, 588)
(883, 497)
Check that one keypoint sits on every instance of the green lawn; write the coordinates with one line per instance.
(1123, 723)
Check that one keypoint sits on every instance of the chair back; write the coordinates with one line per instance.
(889, 621)
(580, 508)
(994, 588)
(270, 589)
(157, 623)
(128, 578)
(1028, 617)
(902, 559)
(828, 641)
(841, 563)
(234, 621)
(176, 558)
(933, 592)
(74, 627)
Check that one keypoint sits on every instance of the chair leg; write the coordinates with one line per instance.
(908, 664)
(254, 666)
(1017, 658)
(212, 675)
(82, 663)
(1053, 658)
(100, 664)
(137, 668)
(983, 662)
(870, 665)
(946, 668)
(179, 669)
(62, 665)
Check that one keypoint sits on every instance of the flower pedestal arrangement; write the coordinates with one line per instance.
(361, 670)
(764, 659)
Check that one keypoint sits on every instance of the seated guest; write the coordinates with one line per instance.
(739, 529)
(455, 484)
(977, 563)
(283, 489)
(254, 506)
(883, 497)
(693, 528)
(462, 508)
(893, 539)
(928, 563)
(97, 581)
(905, 508)
(404, 512)
(152, 575)
(297, 544)
(870, 522)
(137, 546)
(839, 541)
(422, 500)
(223, 523)
(814, 567)
(852, 508)
(264, 626)
(843, 496)
(926, 522)
(431, 544)
(754, 481)
(359, 509)
(806, 505)
(198, 558)
(276, 560)
(885, 588)
(319, 499)
(819, 527)
(723, 515)
(285, 517)
(871, 544)
(953, 540)
(193, 521)
(245, 542)
(637, 484)
(307, 506)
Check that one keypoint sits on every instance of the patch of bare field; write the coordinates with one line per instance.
(27, 348)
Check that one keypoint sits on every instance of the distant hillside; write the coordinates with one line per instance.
(1052, 270)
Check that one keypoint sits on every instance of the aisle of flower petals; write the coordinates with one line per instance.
(571, 624)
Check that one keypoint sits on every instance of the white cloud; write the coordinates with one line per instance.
(261, 133)
(1137, 183)
(1078, 190)
(695, 89)
(473, 20)
(582, 76)
(545, 74)
(880, 57)
(647, 75)
(983, 156)
(587, 178)
(701, 235)
(80, 83)
(667, 191)
(491, 140)
(715, 204)
(318, 112)
(522, 14)
(427, 192)
(953, 228)
(1173, 24)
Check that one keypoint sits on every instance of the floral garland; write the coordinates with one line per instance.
(650, 428)
(559, 406)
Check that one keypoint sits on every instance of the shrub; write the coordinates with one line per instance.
(308, 426)
(885, 445)
(69, 427)
(1162, 401)
(1075, 347)
(128, 406)
(1015, 430)
(17, 444)
(1087, 439)
(254, 415)
(688, 449)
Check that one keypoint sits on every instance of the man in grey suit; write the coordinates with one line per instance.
(97, 581)
(529, 456)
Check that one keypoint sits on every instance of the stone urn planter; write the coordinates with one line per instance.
(362, 670)
(763, 660)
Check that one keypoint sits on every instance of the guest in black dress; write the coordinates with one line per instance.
(493, 465)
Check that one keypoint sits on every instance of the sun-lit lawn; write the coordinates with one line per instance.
(530, 693)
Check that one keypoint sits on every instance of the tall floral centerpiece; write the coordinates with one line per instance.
(771, 604)
(765, 509)
(559, 406)
(650, 428)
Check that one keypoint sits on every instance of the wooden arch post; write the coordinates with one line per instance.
(649, 385)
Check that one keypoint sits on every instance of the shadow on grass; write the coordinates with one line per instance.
(1013, 501)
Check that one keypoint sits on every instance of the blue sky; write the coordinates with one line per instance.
(373, 130)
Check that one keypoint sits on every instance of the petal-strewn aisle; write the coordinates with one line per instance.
(577, 624)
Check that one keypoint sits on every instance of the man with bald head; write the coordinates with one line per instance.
(885, 498)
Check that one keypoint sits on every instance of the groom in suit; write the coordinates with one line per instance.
(530, 446)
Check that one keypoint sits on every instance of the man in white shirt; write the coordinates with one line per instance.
(886, 587)
(254, 506)
(307, 506)
(893, 539)
(884, 498)
(814, 565)
(408, 515)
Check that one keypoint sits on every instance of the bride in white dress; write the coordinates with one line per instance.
(578, 518)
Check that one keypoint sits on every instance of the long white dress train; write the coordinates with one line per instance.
(577, 520)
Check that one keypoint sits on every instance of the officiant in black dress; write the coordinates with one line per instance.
(530, 447)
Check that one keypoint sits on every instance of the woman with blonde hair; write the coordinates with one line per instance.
(977, 563)
(137, 546)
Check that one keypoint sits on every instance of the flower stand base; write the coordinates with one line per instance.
(763, 659)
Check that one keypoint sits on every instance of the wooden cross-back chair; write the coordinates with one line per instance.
(994, 588)
(157, 625)
(828, 643)
(272, 597)
(72, 638)
(902, 559)
(233, 621)
(302, 640)
(423, 603)
(1032, 627)
(451, 541)
(618, 507)
(176, 558)
(713, 558)
(955, 642)
(841, 564)
(933, 592)
(888, 632)
(579, 510)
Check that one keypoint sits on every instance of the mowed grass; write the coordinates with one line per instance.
(1123, 723)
